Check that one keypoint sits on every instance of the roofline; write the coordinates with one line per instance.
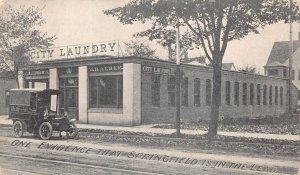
(95, 60)
(275, 66)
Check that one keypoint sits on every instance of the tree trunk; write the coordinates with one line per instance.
(170, 52)
(17, 81)
(216, 100)
(16, 75)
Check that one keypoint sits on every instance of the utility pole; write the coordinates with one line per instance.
(290, 60)
(178, 83)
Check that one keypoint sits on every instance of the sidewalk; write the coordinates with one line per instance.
(147, 128)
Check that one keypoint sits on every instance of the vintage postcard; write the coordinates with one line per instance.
(149, 87)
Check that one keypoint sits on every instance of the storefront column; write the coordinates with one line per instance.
(132, 92)
(83, 94)
(53, 78)
(21, 79)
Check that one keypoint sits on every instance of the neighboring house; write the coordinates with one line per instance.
(201, 61)
(6, 83)
(228, 66)
(278, 62)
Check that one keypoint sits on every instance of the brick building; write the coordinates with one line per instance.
(131, 91)
(6, 83)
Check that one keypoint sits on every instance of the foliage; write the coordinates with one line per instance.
(19, 33)
(212, 23)
(139, 49)
(167, 38)
(248, 69)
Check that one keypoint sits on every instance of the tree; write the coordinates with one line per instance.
(213, 23)
(167, 38)
(137, 48)
(249, 69)
(19, 34)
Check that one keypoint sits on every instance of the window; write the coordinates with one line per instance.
(273, 72)
(251, 94)
(298, 74)
(284, 72)
(7, 98)
(208, 92)
(293, 74)
(227, 90)
(276, 95)
(270, 95)
(184, 95)
(265, 95)
(236, 93)
(281, 95)
(171, 91)
(244, 93)
(106, 92)
(33, 101)
(258, 94)
(155, 90)
(197, 92)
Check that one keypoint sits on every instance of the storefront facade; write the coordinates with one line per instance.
(93, 88)
(128, 91)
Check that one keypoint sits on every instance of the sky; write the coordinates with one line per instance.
(83, 21)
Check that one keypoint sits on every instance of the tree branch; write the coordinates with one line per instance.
(227, 29)
(201, 40)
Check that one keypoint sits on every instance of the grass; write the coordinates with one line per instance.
(268, 125)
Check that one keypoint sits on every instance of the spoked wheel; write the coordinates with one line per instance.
(72, 131)
(45, 130)
(18, 129)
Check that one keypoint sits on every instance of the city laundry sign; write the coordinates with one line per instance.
(75, 51)
(155, 70)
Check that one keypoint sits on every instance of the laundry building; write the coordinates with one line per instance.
(128, 91)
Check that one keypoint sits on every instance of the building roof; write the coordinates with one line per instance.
(280, 52)
(228, 66)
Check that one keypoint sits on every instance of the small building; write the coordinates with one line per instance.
(128, 91)
(278, 62)
(6, 83)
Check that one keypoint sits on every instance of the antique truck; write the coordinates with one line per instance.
(37, 111)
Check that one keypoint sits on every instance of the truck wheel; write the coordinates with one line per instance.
(72, 131)
(18, 129)
(45, 130)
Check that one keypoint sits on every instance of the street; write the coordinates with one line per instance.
(31, 156)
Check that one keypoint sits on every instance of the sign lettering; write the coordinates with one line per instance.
(155, 70)
(83, 50)
(106, 68)
(36, 72)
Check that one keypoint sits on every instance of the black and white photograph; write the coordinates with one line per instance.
(150, 87)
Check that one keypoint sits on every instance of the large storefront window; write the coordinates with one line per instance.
(106, 92)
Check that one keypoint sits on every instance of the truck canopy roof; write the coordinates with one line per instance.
(22, 96)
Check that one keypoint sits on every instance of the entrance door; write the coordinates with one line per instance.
(71, 97)
(69, 101)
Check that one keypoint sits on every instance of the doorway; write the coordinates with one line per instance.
(69, 100)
